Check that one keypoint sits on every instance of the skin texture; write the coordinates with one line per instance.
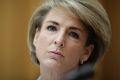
(60, 44)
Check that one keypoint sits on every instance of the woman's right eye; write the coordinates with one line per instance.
(51, 28)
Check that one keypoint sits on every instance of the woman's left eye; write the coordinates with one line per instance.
(74, 35)
(51, 28)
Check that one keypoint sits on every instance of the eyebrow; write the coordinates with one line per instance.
(53, 22)
(75, 28)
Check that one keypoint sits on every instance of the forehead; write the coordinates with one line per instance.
(64, 16)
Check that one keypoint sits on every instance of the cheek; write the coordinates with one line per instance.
(73, 56)
(74, 51)
(41, 45)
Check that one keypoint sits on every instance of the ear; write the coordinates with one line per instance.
(36, 37)
(86, 53)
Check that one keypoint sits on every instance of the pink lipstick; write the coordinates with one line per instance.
(57, 53)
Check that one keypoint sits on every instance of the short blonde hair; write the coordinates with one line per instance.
(90, 12)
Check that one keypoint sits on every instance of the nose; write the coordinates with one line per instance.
(59, 44)
(60, 40)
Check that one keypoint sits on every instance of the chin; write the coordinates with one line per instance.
(51, 63)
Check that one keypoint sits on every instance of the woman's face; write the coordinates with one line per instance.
(60, 44)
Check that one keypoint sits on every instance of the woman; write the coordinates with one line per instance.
(64, 35)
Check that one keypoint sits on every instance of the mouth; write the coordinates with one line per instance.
(57, 53)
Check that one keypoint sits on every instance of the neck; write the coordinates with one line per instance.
(49, 74)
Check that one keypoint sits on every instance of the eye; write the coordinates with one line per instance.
(74, 35)
(51, 28)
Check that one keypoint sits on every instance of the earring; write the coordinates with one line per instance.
(82, 61)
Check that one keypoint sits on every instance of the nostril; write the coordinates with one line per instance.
(62, 45)
(55, 42)
(59, 44)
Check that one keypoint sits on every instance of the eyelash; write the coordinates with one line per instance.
(74, 35)
(51, 28)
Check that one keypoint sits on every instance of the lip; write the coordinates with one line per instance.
(58, 53)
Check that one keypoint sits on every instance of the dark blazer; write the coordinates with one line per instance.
(85, 72)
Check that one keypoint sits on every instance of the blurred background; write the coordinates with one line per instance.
(15, 63)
